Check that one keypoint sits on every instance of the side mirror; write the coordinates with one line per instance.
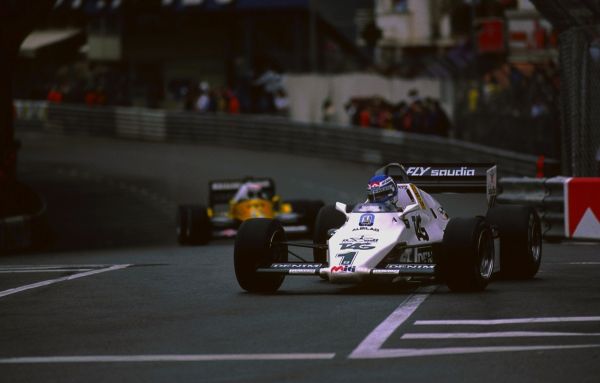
(410, 209)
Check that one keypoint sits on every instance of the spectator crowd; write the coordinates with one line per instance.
(414, 115)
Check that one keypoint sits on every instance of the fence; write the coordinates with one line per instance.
(268, 133)
(580, 90)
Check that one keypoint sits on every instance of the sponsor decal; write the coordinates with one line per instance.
(420, 231)
(417, 171)
(420, 171)
(366, 228)
(356, 246)
(296, 266)
(362, 238)
(424, 255)
(302, 271)
(385, 271)
(401, 266)
(347, 258)
(343, 269)
(366, 220)
(418, 196)
(226, 185)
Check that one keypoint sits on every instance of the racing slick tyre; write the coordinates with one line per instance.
(255, 247)
(193, 225)
(468, 258)
(328, 218)
(520, 240)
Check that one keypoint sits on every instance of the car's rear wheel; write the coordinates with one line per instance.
(520, 240)
(257, 245)
(328, 218)
(193, 225)
(468, 254)
(309, 210)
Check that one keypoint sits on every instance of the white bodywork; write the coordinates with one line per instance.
(370, 235)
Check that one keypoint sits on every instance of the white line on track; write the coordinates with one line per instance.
(582, 263)
(371, 345)
(499, 334)
(412, 352)
(57, 280)
(493, 322)
(14, 271)
(163, 358)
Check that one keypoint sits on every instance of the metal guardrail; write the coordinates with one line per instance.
(266, 133)
(545, 194)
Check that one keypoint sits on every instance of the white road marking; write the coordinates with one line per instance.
(499, 334)
(371, 345)
(11, 271)
(63, 279)
(412, 352)
(583, 263)
(493, 322)
(163, 358)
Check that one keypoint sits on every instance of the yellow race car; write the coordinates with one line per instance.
(231, 202)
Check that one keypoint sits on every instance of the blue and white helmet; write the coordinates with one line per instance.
(382, 188)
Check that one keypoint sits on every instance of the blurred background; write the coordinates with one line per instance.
(482, 71)
(512, 82)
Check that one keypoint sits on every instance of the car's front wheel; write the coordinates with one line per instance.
(257, 245)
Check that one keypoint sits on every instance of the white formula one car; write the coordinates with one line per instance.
(414, 239)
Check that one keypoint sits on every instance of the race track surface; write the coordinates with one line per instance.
(116, 300)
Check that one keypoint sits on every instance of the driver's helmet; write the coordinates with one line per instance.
(382, 188)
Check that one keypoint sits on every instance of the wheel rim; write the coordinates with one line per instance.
(534, 237)
(486, 255)
(278, 250)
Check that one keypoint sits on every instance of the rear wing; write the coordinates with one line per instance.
(221, 191)
(447, 177)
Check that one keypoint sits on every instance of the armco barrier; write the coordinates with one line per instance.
(569, 207)
(267, 133)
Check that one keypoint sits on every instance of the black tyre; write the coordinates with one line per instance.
(193, 225)
(468, 254)
(256, 246)
(309, 210)
(328, 218)
(520, 240)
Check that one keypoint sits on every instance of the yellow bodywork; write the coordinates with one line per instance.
(251, 208)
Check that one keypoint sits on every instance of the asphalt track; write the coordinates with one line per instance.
(116, 300)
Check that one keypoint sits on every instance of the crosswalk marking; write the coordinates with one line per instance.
(498, 334)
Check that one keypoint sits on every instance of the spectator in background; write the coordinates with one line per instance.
(351, 109)
(364, 117)
(282, 103)
(473, 98)
(234, 103)
(55, 95)
(203, 100)
(328, 110)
